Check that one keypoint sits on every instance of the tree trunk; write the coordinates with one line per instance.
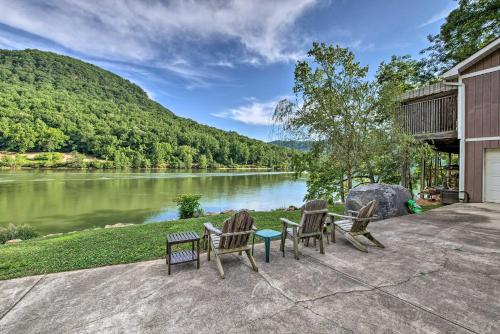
(342, 190)
(372, 177)
(404, 169)
(349, 176)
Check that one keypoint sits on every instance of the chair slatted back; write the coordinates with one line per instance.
(365, 212)
(313, 216)
(241, 224)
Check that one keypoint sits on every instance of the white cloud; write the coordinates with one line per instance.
(222, 63)
(439, 16)
(162, 33)
(253, 112)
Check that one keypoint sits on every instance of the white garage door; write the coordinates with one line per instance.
(492, 176)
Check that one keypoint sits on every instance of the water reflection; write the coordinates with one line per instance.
(59, 201)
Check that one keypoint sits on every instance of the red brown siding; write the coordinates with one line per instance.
(489, 61)
(474, 157)
(482, 119)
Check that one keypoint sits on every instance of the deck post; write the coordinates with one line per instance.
(422, 178)
(437, 168)
(448, 172)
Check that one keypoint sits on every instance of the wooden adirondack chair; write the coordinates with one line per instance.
(355, 225)
(311, 225)
(233, 238)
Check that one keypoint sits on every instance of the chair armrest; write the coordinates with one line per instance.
(289, 222)
(356, 212)
(212, 229)
(333, 214)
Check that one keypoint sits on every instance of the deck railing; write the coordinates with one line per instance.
(433, 116)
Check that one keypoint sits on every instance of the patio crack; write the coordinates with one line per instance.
(21, 298)
(298, 303)
(381, 289)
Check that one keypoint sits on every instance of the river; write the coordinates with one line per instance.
(61, 201)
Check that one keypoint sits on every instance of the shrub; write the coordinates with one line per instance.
(49, 159)
(12, 231)
(77, 160)
(189, 206)
(7, 161)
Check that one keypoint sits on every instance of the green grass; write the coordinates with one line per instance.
(101, 247)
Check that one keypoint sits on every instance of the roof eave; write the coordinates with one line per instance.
(454, 72)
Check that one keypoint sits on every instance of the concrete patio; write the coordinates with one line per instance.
(440, 273)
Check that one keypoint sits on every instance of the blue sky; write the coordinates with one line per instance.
(221, 63)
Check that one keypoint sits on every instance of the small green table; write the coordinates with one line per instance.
(267, 235)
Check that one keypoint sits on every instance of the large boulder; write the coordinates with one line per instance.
(391, 199)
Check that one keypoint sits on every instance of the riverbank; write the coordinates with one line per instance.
(108, 246)
(75, 160)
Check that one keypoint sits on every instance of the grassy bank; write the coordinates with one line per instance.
(101, 247)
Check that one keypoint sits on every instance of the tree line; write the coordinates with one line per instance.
(50, 102)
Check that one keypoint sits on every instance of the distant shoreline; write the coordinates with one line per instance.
(77, 161)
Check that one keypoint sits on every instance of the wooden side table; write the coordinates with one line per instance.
(183, 255)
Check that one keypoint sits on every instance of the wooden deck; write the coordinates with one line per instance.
(431, 118)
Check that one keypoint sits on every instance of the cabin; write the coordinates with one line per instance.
(461, 115)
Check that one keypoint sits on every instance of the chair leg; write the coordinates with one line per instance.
(208, 248)
(252, 260)
(282, 244)
(321, 244)
(205, 240)
(356, 243)
(296, 247)
(333, 234)
(219, 265)
(370, 237)
(325, 231)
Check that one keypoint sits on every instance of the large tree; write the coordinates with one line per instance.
(335, 106)
(468, 28)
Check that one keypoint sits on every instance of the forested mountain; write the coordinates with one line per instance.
(301, 145)
(50, 102)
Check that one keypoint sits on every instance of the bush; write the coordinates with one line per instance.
(49, 159)
(7, 161)
(77, 160)
(12, 231)
(189, 206)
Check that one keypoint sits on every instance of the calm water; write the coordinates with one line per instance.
(61, 201)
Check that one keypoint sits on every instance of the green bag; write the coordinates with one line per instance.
(413, 206)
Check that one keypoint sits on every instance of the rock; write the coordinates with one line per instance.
(232, 211)
(13, 241)
(211, 214)
(391, 199)
(292, 208)
(117, 225)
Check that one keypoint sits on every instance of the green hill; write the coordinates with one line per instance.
(50, 102)
(294, 144)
